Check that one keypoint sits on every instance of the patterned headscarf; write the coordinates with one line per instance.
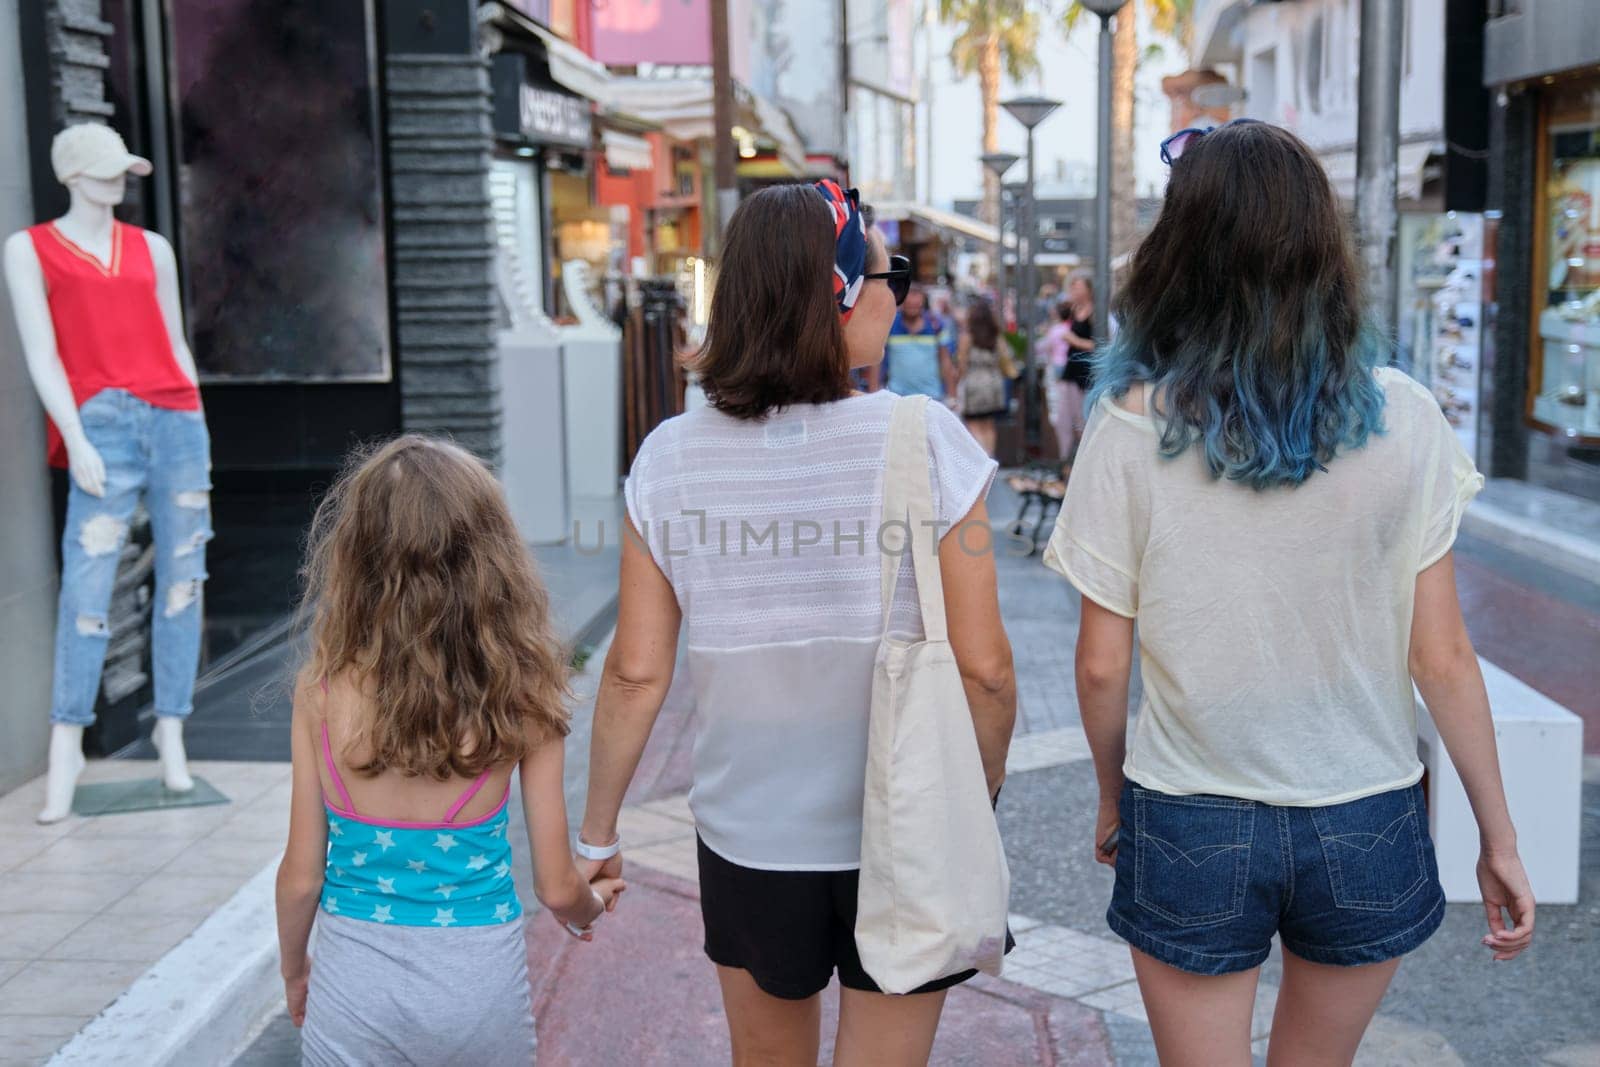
(850, 244)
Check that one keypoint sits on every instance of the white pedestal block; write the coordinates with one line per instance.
(593, 384)
(533, 428)
(1541, 762)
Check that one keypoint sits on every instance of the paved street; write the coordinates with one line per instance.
(1068, 996)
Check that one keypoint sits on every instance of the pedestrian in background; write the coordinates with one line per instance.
(982, 386)
(1070, 344)
(1275, 511)
(781, 640)
(433, 674)
(915, 359)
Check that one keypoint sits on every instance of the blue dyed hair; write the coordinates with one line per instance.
(1243, 312)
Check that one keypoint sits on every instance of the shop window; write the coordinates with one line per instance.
(280, 188)
(1565, 363)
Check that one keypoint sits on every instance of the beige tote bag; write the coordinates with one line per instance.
(934, 882)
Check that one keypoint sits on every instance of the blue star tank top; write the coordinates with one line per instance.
(440, 874)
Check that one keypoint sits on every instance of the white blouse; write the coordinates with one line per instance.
(768, 531)
(1275, 626)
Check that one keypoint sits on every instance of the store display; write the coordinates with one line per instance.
(1566, 386)
(1441, 307)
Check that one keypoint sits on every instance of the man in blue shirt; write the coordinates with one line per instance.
(915, 360)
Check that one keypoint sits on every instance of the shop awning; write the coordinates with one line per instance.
(949, 222)
(1341, 168)
(624, 151)
(682, 107)
(570, 67)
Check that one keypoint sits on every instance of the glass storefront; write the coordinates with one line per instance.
(1564, 389)
(1441, 312)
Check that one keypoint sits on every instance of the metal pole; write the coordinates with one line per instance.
(727, 182)
(1102, 203)
(1030, 290)
(1377, 154)
(1000, 256)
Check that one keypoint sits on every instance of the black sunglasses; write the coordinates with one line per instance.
(898, 276)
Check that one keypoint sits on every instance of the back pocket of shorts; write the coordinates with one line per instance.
(1374, 849)
(1191, 856)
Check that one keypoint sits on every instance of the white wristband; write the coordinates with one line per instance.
(596, 852)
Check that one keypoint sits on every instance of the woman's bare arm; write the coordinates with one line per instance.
(633, 684)
(978, 637)
(1445, 669)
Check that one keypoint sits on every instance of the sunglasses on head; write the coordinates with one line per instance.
(1173, 147)
(898, 276)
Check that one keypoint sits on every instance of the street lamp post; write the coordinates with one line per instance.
(1102, 207)
(998, 163)
(1017, 193)
(1377, 140)
(1030, 111)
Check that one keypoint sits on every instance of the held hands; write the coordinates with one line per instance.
(88, 469)
(605, 884)
(1505, 885)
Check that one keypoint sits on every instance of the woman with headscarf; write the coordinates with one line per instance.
(753, 524)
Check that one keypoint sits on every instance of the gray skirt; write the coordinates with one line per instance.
(384, 994)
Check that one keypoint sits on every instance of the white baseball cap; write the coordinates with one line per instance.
(91, 150)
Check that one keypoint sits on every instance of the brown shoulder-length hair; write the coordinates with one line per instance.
(982, 326)
(418, 587)
(775, 336)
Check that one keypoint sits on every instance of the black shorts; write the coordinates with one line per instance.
(790, 929)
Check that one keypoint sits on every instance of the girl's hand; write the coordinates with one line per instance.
(1505, 885)
(294, 994)
(1107, 826)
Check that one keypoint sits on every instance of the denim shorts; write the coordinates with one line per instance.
(1203, 882)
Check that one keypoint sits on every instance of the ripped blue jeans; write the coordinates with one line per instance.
(163, 456)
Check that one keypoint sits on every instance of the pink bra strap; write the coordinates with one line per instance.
(461, 802)
(333, 772)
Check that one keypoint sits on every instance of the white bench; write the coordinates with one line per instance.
(1541, 762)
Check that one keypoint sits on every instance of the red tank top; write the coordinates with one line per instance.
(109, 329)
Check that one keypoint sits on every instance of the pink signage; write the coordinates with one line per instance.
(630, 32)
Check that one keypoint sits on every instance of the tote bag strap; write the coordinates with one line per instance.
(908, 513)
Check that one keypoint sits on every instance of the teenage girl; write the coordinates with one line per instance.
(432, 674)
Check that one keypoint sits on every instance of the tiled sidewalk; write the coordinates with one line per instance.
(89, 904)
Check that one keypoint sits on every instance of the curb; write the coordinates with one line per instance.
(200, 1001)
(1563, 551)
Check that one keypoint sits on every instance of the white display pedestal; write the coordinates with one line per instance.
(533, 428)
(1541, 762)
(593, 387)
(591, 353)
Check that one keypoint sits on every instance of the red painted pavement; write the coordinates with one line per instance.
(643, 993)
(1550, 644)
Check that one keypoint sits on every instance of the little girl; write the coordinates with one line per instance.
(432, 673)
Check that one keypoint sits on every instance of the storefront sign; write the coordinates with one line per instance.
(552, 117)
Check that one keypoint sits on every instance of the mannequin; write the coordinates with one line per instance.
(100, 319)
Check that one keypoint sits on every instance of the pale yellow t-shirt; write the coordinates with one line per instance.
(1274, 626)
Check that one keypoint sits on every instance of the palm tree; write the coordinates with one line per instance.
(994, 33)
(1171, 19)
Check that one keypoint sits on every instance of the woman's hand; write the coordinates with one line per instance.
(593, 869)
(1107, 826)
(1505, 885)
(294, 993)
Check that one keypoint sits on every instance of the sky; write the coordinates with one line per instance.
(1064, 142)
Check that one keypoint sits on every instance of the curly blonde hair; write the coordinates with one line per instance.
(418, 585)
